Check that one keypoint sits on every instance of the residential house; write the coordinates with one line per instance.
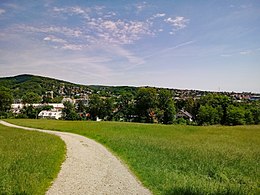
(184, 114)
(51, 114)
(16, 108)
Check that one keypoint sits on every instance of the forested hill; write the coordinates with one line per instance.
(22, 84)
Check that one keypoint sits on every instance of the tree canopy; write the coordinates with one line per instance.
(6, 99)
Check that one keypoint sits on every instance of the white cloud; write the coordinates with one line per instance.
(119, 32)
(225, 55)
(73, 47)
(178, 22)
(109, 25)
(159, 15)
(60, 37)
(70, 10)
(131, 58)
(54, 39)
(246, 52)
(75, 10)
(99, 8)
(140, 6)
(78, 10)
(110, 14)
(102, 26)
(45, 61)
(56, 9)
(51, 29)
(2, 11)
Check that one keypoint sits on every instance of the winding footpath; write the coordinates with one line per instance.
(90, 168)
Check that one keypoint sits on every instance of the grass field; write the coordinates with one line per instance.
(178, 159)
(29, 161)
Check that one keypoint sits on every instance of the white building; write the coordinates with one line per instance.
(184, 114)
(52, 114)
(16, 108)
(68, 100)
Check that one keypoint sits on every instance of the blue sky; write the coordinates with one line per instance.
(203, 44)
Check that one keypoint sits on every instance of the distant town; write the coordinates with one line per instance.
(42, 97)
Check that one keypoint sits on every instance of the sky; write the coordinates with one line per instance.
(204, 44)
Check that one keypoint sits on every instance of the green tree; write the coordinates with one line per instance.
(46, 99)
(146, 104)
(31, 98)
(95, 106)
(125, 106)
(6, 100)
(69, 112)
(57, 99)
(255, 109)
(107, 108)
(209, 115)
(29, 112)
(235, 115)
(191, 106)
(217, 101)
(166, 107)
(249, 117)
(81, 106)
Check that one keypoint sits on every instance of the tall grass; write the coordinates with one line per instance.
(178, 159)
(29, 161)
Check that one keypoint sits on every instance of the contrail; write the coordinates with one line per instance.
(170, 48)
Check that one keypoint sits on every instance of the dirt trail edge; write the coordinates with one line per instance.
(90, 168)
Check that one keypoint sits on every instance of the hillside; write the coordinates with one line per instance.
(21, 84)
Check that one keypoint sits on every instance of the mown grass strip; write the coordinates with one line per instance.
(29, 160)
(178, 159)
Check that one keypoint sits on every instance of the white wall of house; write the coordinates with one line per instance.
(52, 114)
(16, 108)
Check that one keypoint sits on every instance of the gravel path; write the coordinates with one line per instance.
(90, 169)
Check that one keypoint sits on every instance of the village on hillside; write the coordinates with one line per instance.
(79, 97)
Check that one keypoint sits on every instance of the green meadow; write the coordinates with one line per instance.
(177, 159)
(29, 160)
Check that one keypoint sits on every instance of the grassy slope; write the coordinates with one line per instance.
(178, 159)
(29, 161)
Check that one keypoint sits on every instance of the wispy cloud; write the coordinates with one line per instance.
(159, 15)
(246, 52)
(63, 44)
(50, 29)
(54, 39)
(241, 52)
(74, 10)
(105, 27)
(75, 47)
(156, 16)
(132, 59)
(141, 6)
(100, 30)
(178, 22)
(225, 55)
(119, 31)
(2, 11)
(108, 28)
(169, 49)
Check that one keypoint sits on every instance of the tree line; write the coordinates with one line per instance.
(147, 105)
